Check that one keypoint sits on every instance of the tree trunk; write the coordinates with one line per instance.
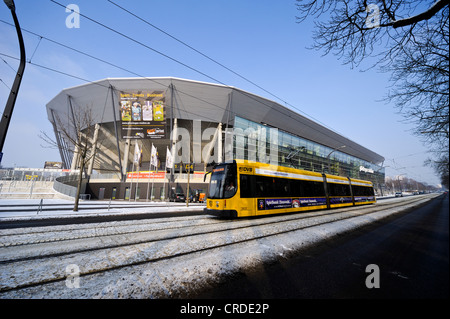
(80, 180)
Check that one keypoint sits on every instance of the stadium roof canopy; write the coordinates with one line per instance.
(190, 100)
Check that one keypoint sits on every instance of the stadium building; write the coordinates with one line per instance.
(148, 137)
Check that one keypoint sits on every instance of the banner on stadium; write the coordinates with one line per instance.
(143, 115)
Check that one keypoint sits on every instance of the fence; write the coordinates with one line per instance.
(68, 185)
(31, 182)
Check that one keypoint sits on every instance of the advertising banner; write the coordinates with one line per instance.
(359, 199)
(341, 200)
(278, 203)
(57, 165)
(143, 115)
(146, 174)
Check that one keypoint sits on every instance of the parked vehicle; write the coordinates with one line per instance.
(196, 195)
(177, 197)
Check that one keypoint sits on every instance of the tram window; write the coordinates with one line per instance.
(264, 186)
(338, 189)
(312, 189)
(297, 188)
(362, 191)
(223, 182)
(281, 187)
(229, 187)
(247, 185)
(260, 188)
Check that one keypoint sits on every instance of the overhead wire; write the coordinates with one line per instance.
(158, 52)
(100, 60)
(216, 62)
(194, 49)
(142, 44)
(86, 80)
(5, 84)
(187, 66)
(134, 73)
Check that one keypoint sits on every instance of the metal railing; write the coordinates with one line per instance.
(68, 185)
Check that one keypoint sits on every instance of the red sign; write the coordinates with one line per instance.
(146, 175)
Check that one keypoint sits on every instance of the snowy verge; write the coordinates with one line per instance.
(185, 275)
(182, 277)
(96, 209)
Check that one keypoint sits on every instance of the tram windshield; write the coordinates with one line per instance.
(223, 182)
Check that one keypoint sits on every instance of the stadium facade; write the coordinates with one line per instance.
(191, 124)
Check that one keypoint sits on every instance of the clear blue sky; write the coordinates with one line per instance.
(258, 39)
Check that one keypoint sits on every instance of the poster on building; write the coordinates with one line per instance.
(50, 164)
(143, 115)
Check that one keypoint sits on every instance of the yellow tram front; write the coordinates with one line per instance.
(222, 194)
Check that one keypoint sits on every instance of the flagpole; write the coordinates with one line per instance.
(169, 164)
(139, 154)
(135, 158)
(164, 185)
(153, 161)
(149, 171)
(137, 183)
(131, 182)
(151, 195)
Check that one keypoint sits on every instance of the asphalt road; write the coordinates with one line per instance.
(410, 251)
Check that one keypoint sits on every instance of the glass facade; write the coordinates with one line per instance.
(259, 142)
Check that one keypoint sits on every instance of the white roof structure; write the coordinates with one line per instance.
(192, 100)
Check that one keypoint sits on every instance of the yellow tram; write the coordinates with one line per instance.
(243, 188)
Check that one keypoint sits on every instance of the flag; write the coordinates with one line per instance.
(137, 154)
(153, 158)
(169, 159)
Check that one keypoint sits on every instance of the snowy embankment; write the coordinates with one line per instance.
(169, 258)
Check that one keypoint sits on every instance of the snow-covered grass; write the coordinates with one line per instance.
(152, 259)
(23, 209)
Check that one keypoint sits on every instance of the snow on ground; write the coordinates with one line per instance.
(12, 209)
(182, 275)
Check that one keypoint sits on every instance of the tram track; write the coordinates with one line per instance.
(37, 235)
(39, 255)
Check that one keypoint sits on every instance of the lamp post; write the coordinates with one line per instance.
(400, 183)
(7, 113)
(380, 185)
(329, 159)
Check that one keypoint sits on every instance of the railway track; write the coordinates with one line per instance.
(165, 257)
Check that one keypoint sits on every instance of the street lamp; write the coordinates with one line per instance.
(400, 183)
(328, 157)
(7, 113)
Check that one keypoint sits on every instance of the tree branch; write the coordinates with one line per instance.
(435, 8)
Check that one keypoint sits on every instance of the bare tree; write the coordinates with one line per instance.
(78, 130)
(407, 38)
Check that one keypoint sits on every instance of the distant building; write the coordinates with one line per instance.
(210, 123)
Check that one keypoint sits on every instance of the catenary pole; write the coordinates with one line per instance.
(7, 113)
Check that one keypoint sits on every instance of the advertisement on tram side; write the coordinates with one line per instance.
(279, 203)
